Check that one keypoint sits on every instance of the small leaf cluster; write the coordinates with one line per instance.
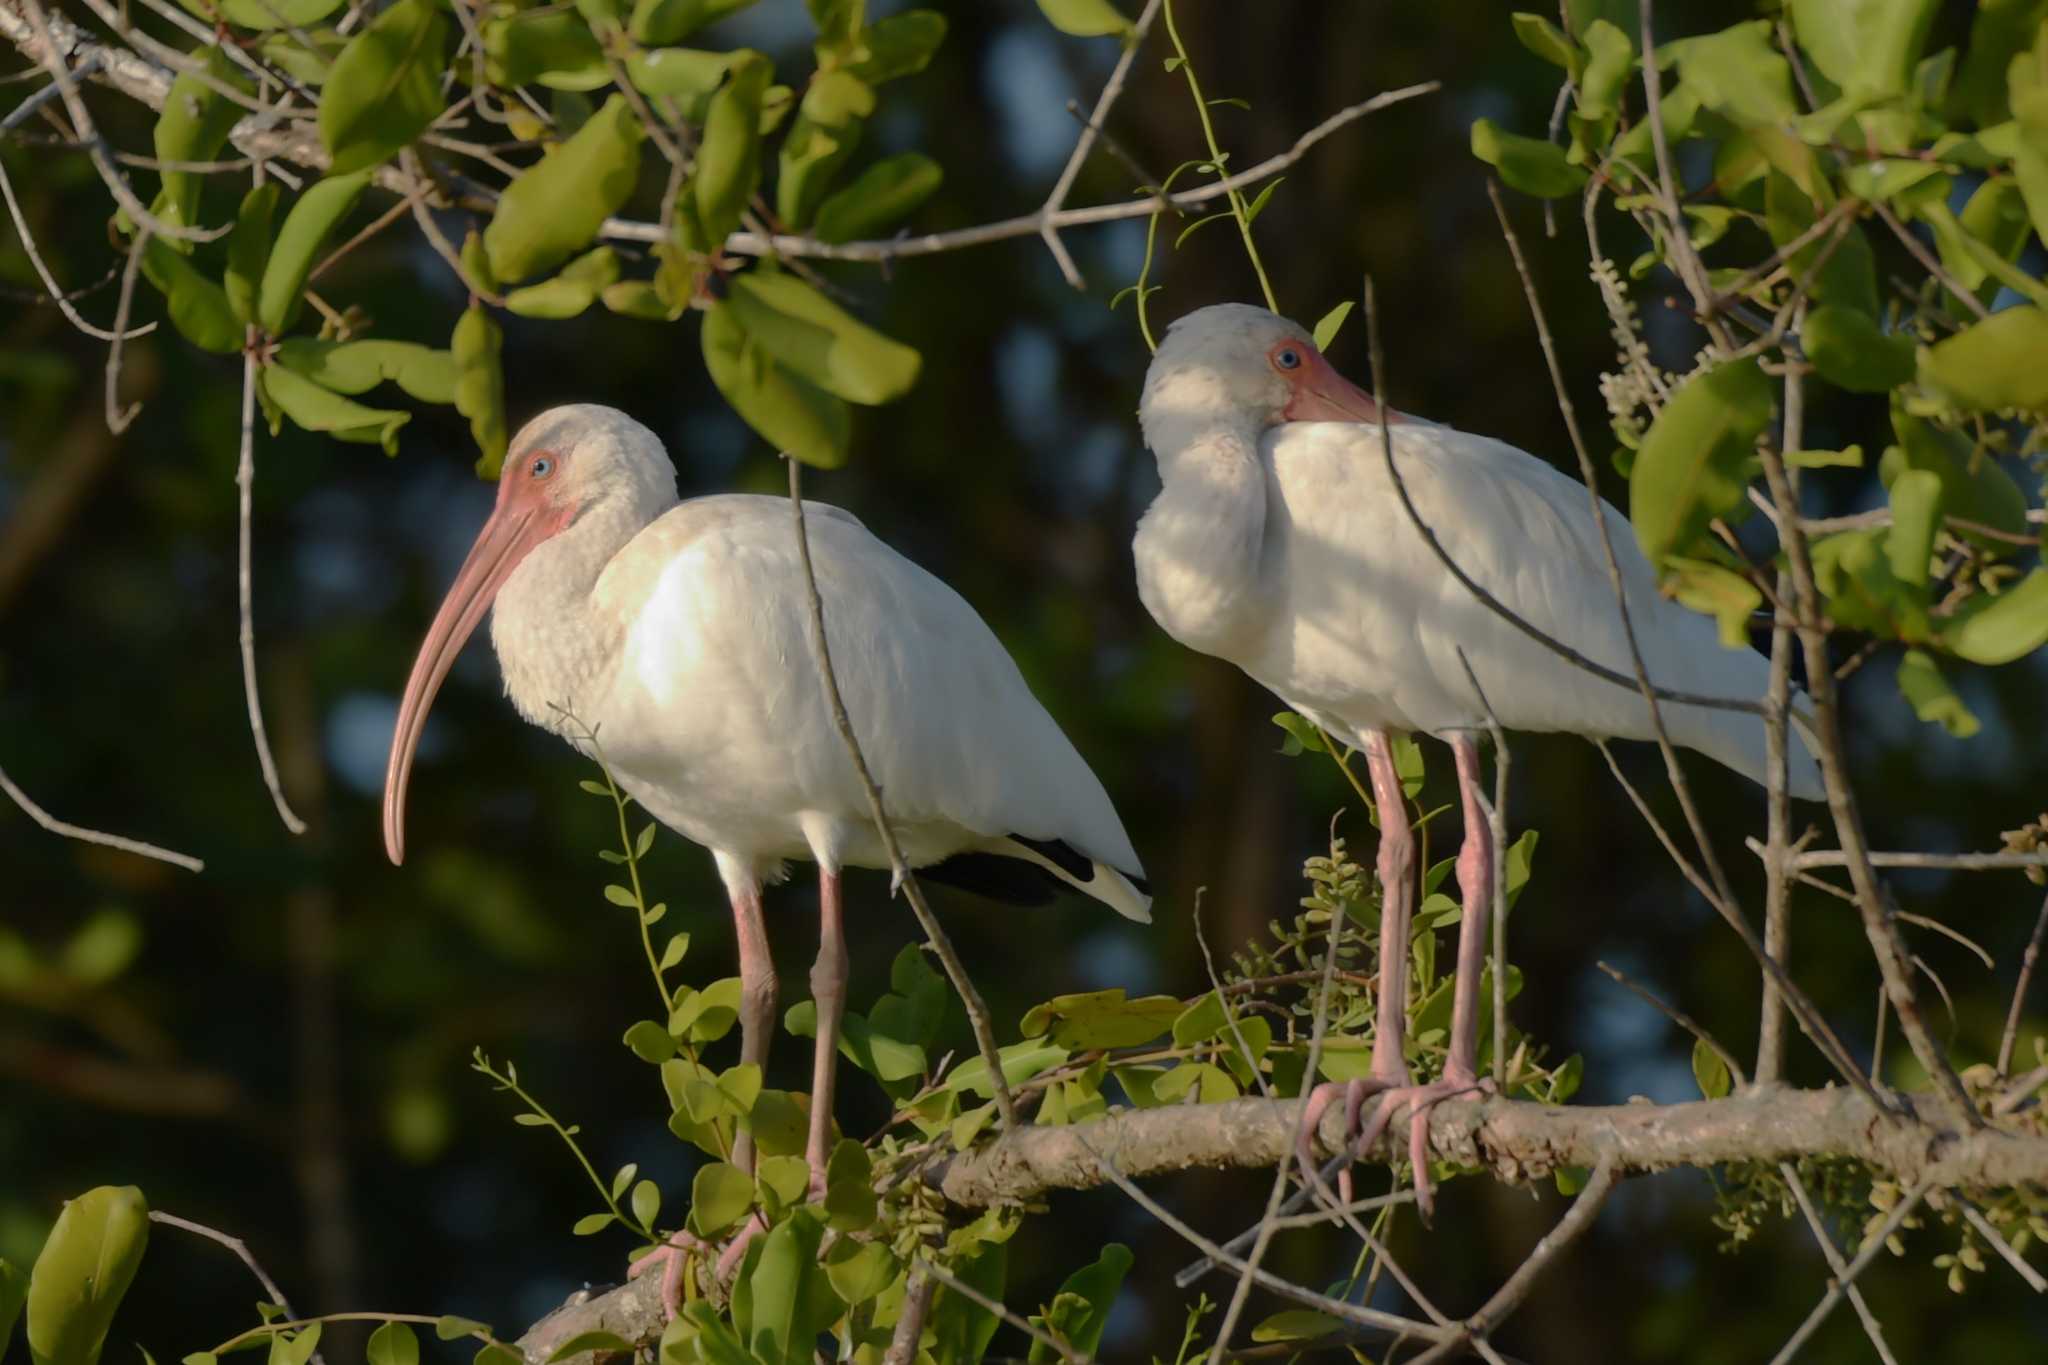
(1864, 230)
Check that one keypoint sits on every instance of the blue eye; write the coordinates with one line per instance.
(1288, 359)
(541, 467)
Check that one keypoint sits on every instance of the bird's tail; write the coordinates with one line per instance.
(1124, 892)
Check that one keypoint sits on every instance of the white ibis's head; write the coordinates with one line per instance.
(1235, 364)
(566, 465)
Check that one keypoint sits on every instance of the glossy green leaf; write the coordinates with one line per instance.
(1916, 501)
(878, 199)
(552, 48)
(1717, 591)
(729, 156)
(1887, 177)
(1545, 39)
(650, 1042)
(1529, 164)
(707, 1015)
(899, 45)
(193, 126)
(1933, 700)
(1330, 324)
(480, 386)
(826, 131)
(859, 1271)
(2001, 362)
(1866, 47)
(1738, 73)
(198, 307)
(683, 72)
(318, 409)
(794, 416)
(1080, 1310)
(1998, 630)
(85, 1267)
(249, 250)
(354, 367)
(553, 209)
(577, 287)
(1851, 352)
(1296, 1324)
(385, 87)
(1021, 1061)
(820, 342)
(393, 1343)
(1710, 1071)
(1102, 1019)
(1697, 457)
(720, 1196)
(1976, 488)
(646, 1202)
(306, 229)
(789, 1297)
(1085, 18)
(590, 1224)
(1611, 60)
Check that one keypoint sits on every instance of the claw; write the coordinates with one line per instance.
(670, 1257)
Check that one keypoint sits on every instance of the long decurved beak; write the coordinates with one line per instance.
(1323, 395)
(504, 541)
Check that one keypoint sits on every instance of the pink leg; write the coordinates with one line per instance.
(757, 981)
(1475, 879)
(828, 988)
(1396, 867)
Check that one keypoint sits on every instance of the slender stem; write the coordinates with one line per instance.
(1217, 157)
(1770, 1034)
(65, 829)
(245, 483)
(2019, 992)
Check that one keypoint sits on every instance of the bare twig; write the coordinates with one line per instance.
(1847, 1277)
(66, 829)
(49, 279)
(1929, 262)
(1871, 1329)
(245, 484)
(977, 1009)
(1090, 130)
(2019, 990)
(1003, 1311)
(118, 417)
(1770, 1033)
(1678, 1017)
(1958, 862)
(241, 1250)
(1976, 1219)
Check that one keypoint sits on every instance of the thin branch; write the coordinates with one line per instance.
(1770, 1033)
(1847, 1277)
(49, 279)
(67, 830)
(1929, 262)
(1976, 1219)
(1678, 1017)
(1090, 130)
(1871, 1329)
(241, 1250)
(245, 483)
(1959, 862)
(1003, 1311)
(977, 1009)
(2019, 991)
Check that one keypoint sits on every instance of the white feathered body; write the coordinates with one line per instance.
(687, 650)
(1334, 601)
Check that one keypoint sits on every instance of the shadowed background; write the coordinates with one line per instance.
(279, 1047)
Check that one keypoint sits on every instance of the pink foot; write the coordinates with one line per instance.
(729, 1259)
(680, 1247)
(1392, 1097)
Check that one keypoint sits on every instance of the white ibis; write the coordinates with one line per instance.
(1278, 542)
(678, 632)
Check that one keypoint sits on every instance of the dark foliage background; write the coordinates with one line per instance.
(285, 1055)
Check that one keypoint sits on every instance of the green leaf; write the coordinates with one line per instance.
(790, 1299)
(1302, 735)
(1085, 18)
(480, 386)
(623, 1178)
(555, 49)
(1021, 1061)
(1080, 1310)
(1612, 59)
(385, 87)
(860, 1271)
(448, 1327)
(1211, 1084)
(570, 292)
(295, 1348)
(592, 1223)
(591, 1343)
(656, 22)
(824, 135)
(1717, 591)
(720, 1196)
(793, 415)
(1738, 73)
(1974, 486)
(782, 1182)
(681, 72)
(1854, 573)
(961, 1328)
(1866, 47)
(899, 45)
(650, 1042)
(709, 1014)
(393, 1343)
(195, 122)
(1546, 40)
(354, 367)
(646, 1202)
(1102, 1019)
(1916, 499)
(249, 250)
(2001, 362)
(1529, 164)
(85, 1267)
(1933, 700)
(1997, 630)
(1697, 457)
(198, 307)
(1886, 178)
(1206, 1018)
(1710, 1071)
(1296, 1324)
(1849, 458)
(306, 229)
(314, 408)
(1999, 30)
(638, 299)
(1848, 274)
(497, 1353)
(1851, 352)
(552, 209)
(849, 1187)
(879, 198)
(1330, 324)
(729, 156)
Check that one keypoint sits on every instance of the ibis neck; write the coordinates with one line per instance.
(557, 648)
(1200, 547)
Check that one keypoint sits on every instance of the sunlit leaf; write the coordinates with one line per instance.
(318, 409)
(1717, 591)
(1546, 40)
(1710, 1071)
(1330, 324)
(1916, 501)
(2000, 629)
(249, 250)
(1738, 73)
(1698, 457)
(480, 386)
(1611, 59)
(1977, 489)
(553, 209)
(2001, 362)
(795, 416)
(1529, 164)
(311, 221)
(1932, 699)
(898, 45)
(570, 292)
(656, 22)
(85, 1267)
(1080, 1310)
(729, 155)
(1102, 1019)
(820, 342)
(198, 307)
(1085, 18)
(790, 1298)
(354, 367)
(195, 122)
(393, 1343)
(1296, 1324)
(598, 1342)
(384, 89)
(878, 198)
(1850, 351)
(859, 1271)
(553, 48)
(1867, 47)
(720, 1195)
(679, 71)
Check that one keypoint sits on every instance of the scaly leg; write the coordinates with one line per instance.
(828, 988)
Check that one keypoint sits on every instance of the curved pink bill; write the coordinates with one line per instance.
(1323, 395)
(505, 539)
